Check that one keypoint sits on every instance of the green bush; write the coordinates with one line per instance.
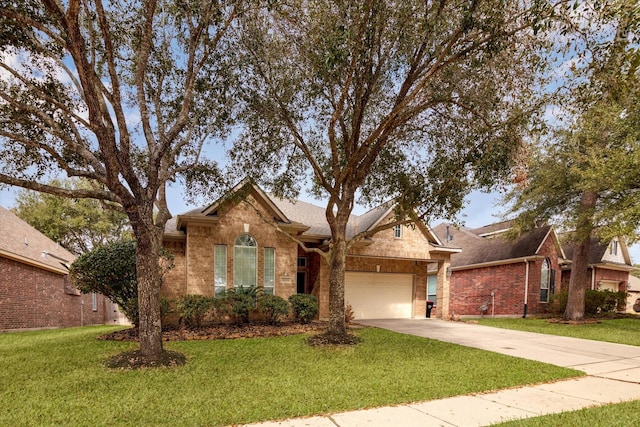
(193, 309)
(558, 302)
(305, 307)
(594, 302)
(274, 308)
(220, 309)
(242, 301)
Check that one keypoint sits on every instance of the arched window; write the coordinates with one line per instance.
(245, 261)
(545, 280)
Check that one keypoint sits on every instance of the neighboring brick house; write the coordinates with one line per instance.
(34, 287)
(495, 275)
(609, 265)
(247, 239)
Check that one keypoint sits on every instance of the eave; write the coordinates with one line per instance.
(28, 261)
(497, 262)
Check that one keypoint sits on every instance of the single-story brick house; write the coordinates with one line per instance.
(34, 288)
(609, 265)
(247, 238)
(496, 275)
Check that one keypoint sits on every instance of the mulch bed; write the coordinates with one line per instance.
(222, 331)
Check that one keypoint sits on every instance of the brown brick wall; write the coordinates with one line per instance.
(194, 259)
(34, 298)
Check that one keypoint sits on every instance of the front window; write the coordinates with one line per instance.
(397, 231)
(245, 261)
(219, 269)
(269, 270)
(432, 287)
(545, 280)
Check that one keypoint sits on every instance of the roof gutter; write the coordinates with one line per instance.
(499, 262)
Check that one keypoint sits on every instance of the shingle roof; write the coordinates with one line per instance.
(597, 250)
(22, 242)
(305, 213)
(479, 250)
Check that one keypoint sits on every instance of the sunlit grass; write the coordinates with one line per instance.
(58, 378)
(622, 331)
(618, 415)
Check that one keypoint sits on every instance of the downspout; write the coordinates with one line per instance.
(526, 287)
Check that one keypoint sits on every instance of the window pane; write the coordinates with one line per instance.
(269, 270)
(245, 266)
(432, 286)
(219, 269)
(544, 281)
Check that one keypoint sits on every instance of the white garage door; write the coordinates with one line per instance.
(379, 296)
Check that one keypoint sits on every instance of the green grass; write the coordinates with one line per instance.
(618, 415)
(622, 331)
(58, 377)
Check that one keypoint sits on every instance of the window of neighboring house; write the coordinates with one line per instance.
(94, 301)
(219, 269)
(432, 287)
(545, 280)
(269, 270)
(397, 231)
(245, 261)
(614, 247)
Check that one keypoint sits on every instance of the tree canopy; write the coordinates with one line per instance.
(79, 225)
(586, 177)
(411, 103)
(123, 94)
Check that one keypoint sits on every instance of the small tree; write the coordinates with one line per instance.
(110, 270)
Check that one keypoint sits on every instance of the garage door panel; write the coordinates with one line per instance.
(381, 296)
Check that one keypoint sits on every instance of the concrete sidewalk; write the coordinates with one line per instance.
(613, 369)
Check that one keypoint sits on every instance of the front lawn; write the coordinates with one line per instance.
(618, 415)
(622, 331)
(57, 377)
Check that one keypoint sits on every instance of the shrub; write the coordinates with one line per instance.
(349, 315)
(305, 307)
(110, 270)
(594, 302)
(193, 309)
(274, 308)
(242, 301)
(220, 309)
(165, 308)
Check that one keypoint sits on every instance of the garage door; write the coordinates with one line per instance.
(379, 296)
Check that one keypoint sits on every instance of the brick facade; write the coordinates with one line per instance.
(500, 289)
(32, 298)
(194, 256)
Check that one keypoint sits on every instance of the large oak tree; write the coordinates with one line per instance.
(586, 177)
(414, 103)
(123, 94)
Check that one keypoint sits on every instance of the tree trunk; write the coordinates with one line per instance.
(149, 280)
(580, 261)
(337, 265)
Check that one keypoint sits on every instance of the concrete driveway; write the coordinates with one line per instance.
(607, 360)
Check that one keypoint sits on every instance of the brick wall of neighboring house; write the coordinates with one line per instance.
(600, 274)
(472, 288)
(31, 297)
(622, 277)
